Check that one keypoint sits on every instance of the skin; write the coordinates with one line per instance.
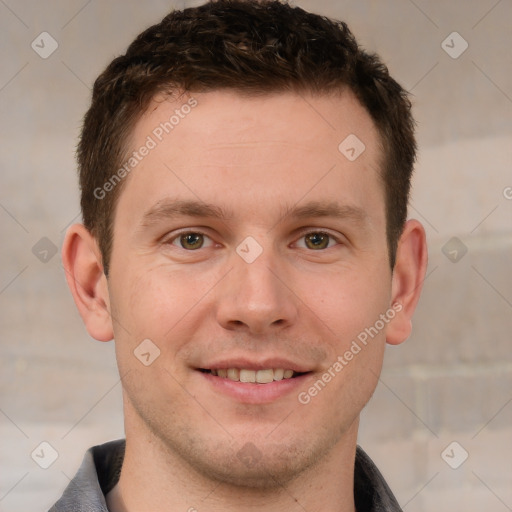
(251, 156)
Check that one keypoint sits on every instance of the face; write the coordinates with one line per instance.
(248, 246)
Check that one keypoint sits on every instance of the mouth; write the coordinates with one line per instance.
(254, 380)
(261, 376)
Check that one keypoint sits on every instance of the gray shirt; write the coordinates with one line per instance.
(101, 468)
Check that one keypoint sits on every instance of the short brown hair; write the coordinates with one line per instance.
(251, 47)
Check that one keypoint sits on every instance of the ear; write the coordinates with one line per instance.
(407, 280)
(82, 262)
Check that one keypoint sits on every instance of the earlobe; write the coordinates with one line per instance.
(407, 281)
(82, 262)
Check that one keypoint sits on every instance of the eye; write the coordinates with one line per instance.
(190, 240)
(318, 240)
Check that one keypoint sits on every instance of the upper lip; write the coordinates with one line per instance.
(256, 364)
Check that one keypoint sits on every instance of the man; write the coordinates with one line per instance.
(245, 173)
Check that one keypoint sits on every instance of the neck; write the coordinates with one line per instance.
(154, 478)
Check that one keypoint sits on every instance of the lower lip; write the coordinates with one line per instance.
(253, 393)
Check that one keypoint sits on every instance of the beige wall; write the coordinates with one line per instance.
(452, 381)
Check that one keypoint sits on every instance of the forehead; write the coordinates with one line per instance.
(228, 117)
(254, 151)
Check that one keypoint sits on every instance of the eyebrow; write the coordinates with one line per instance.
(333, 209)
(170, 209)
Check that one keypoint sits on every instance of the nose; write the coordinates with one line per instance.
(256, 297)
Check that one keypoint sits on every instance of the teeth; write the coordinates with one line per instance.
(260, 376)
(278, 374)
(247, 376)
(264, 376)
(234, 374)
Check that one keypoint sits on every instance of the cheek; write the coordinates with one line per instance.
(348, 301)
(159, 303)
(151, 303)
(157, 297)
(349, 305)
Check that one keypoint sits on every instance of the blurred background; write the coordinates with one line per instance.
(439, 426)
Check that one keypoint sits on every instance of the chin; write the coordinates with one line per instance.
(255, 467)
(255, 457)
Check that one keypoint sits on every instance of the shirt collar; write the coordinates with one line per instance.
(101, 468)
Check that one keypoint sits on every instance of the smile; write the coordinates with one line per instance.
(260, 385)
(264, 376)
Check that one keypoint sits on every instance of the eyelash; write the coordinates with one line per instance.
(302, 235)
